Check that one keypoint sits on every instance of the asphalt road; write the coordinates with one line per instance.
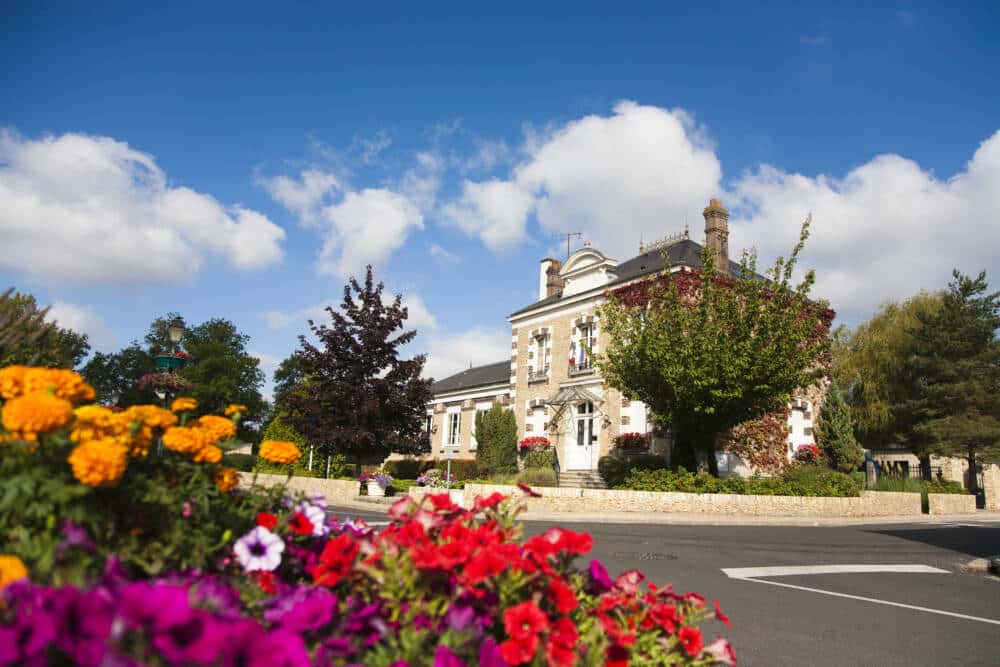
(776, 622)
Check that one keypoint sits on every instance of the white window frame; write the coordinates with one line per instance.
(452, 416)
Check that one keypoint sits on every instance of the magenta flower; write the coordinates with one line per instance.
(444, 657)
(599, 577)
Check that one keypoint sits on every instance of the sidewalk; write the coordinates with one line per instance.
(694, 519)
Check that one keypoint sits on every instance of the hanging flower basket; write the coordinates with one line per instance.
(171, 383)
(632, 442)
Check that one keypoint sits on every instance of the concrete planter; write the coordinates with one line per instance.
(375, 489)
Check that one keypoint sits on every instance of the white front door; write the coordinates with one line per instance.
(581, 449)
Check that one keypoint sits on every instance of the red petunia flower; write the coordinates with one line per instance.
(562, 640)
(492, 500)
(563, 596)
(336, 560)
(528, 491)
(267, 520)
(266, 581)
(616, 656)
(690, 639)
(719, 615)
(300, 524)
(524, 620)
(443, 503)
(519, 652)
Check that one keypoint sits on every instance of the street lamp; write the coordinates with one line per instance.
(175, 330)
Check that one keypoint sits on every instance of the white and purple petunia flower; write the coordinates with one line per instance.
(317, 517)
(260, 549)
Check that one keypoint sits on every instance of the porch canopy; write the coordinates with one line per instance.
(573, 395)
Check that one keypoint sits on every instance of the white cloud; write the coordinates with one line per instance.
(365, 228)
(83, 319)
(418, 315)
(440, 253)
(884, 231)
(450, 353)
(93, 210)
(372, 148)
(488, 154)
(635, 173)
(268, 362)
(305, 196)
(496, 211)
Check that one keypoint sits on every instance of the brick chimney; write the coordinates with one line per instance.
(549, 281)
(717, 234)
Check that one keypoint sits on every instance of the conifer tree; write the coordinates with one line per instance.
(496, 435)
(360, 397)
(835, 433)
(957, 370)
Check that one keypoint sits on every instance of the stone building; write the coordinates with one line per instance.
(550, 380)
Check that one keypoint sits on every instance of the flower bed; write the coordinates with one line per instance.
(260, 576)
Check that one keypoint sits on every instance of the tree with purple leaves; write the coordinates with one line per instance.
(357, 396)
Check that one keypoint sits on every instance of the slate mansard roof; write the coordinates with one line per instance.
(480, 376)
(683, 253)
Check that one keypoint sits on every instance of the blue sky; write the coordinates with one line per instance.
(241, 160)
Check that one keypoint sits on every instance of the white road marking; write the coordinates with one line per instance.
(792, 570)
(753, 574)
(889, 603)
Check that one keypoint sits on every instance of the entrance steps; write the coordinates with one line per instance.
(582, 479)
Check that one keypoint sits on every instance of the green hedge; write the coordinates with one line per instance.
(917, 485)
(412, 468)
(538, 477)
(242, 462)
(541, 458)
(804, 480)
(614, 470)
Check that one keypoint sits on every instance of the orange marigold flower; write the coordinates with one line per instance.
(279, 451)
(99, 462)
(236, 409)
(183, 404)
(12, 569)
(29, 415)
(152, 415)
(217, 428)
(185, 440)
(226, 479)
(22, 380)
(208, 454)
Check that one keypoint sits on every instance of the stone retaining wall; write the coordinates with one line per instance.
(869, 504)
(951, 503)
(332, 489)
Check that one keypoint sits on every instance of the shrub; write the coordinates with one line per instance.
(405, 468)
(241, 462)
(538, 477)
(835, 433)
(614, 470)
(917, 485)
(796, 481)
(540, 458)
(496, 433)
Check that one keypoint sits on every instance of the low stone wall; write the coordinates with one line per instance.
(332, 489)
(991, 487)
(869, 504)
(951, 503)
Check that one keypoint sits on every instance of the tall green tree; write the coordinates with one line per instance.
(362, 398)
(871, 364)
(115, 375)
(27, 336)
(835, 432)
(957, 367)
(706, 352)
(222, 371)
(496, 441)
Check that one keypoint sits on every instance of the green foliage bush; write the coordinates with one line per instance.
(538, 477)
(614, 470)
(242, 462)
(917, 485)
(540, 458)
(496, 433)
(796, 481)
(462, 469)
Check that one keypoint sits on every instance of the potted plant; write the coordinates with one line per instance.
(531, 443)
(377, 484)
(807, 453)
(632, 443)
